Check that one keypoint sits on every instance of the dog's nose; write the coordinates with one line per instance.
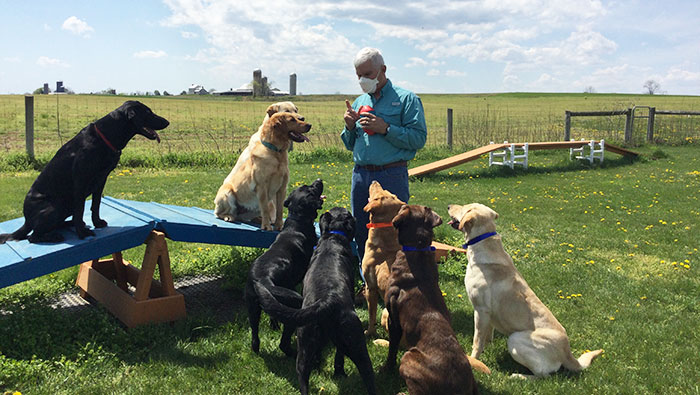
(302, 119)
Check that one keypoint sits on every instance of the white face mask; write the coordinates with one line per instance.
(369, 85)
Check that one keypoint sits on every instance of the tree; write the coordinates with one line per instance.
(156, 93)
(165, 93)
(38, 91)
(589, 89)
(651, 87)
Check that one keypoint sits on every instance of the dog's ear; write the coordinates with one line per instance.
(324, 221)
(494, 214)
(404, 212)
(433, 218)
(272, 109)
(467, 220)
(371, 205)
(287, 201)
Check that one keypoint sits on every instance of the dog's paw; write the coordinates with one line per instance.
(370, 332)
(84, 232)
(99, 223)
(381, 343)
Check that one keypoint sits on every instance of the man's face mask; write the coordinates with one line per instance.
(369, 85)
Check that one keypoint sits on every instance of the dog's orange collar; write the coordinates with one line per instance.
(104, 138)
(374, 225)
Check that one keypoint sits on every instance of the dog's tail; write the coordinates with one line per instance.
(478, 365)
(19, 234)
(284, 313)
(584, 361)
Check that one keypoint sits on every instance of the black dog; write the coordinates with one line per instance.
(328, 307)
(79, 169)
(283, 265)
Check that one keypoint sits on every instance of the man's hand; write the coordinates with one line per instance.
(351, 116)
(373, 124)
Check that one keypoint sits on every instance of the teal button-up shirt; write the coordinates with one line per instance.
(403, 111)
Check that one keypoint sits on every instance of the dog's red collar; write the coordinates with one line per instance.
(104, 138)
(374, 225)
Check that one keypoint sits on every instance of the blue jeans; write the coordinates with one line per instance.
(394, 179)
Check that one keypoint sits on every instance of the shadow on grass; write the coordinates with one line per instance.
(31, 328)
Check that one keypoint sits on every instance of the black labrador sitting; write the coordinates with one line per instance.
(80, 169)
(328, 308)
(283, 265)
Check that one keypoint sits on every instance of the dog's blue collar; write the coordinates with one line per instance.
(478, 239)
(338, 232)
(409, 248)
(271, 146)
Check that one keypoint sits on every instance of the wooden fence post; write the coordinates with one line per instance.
(567, 126)
(449, 128)
(628, 126)
(650, 124)
(29, 125)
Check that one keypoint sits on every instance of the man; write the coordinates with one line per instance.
(381, 141)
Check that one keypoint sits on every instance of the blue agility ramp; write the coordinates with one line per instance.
(131, 294)
(130, 222)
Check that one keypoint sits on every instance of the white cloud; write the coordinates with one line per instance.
(77, 26)
(413, 62)
(433, 72)
(45, 61)
(677, 73)
(150, 54)
(12, 59)
(186, 34)
(47, 27)
(455, 73)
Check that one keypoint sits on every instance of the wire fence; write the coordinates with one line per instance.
(221, 124)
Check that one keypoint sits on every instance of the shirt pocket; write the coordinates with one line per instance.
(391, 115)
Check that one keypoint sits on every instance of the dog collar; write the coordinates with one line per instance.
(271, 146)
(409, 248)
(375, 225)
(338, 232)
(104, 138)
(478, 239)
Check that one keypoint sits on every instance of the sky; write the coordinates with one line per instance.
(429, 46)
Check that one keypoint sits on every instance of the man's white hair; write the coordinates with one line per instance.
(371, 54)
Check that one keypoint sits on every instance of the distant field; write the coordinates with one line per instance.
(223, 124)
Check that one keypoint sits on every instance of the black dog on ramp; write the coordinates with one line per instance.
(328, 307)
(283, 265)
(80, 169)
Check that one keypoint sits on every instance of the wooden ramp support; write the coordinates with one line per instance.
(152, 301)
(476, 154)
(443, 250)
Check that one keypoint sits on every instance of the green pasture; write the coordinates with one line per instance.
(223, 124)
(612, 250)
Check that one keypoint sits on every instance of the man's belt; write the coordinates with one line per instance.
(400, 163)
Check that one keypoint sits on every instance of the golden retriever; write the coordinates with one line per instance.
(503, 300)
(283, 106)
(380, 249)
(259, 184)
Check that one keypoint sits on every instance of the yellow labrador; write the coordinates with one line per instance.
(503, 300)
(259, 185)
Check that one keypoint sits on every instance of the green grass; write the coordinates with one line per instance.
(222, 125)
(612, 250)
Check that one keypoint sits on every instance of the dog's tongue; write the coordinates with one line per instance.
(152, 133)
(303, 136)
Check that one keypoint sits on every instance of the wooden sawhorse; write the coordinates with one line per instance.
(107, 281)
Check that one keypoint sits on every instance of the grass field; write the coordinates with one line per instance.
(222, 124)
(612, 250)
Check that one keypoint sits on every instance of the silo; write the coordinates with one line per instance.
(293, 84)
